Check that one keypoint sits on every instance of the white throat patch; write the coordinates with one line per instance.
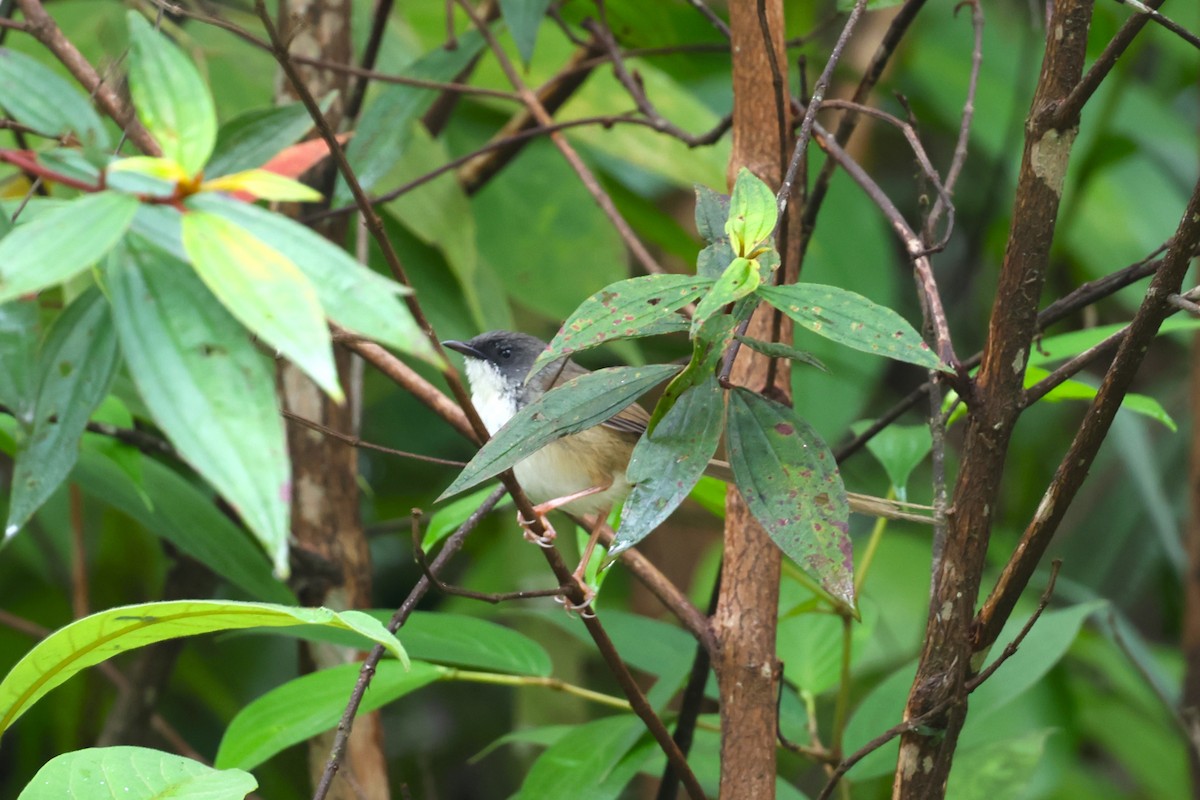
(489, 392)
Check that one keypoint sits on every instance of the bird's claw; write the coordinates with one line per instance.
(584, 607)
(544, 540)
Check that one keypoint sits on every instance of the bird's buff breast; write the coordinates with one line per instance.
(556, 471)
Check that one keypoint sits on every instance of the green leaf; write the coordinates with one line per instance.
(101, 636)
(76, 366)
(739, 279)
(209, 389)
(48, 103)
(1000, 770)
(899, 448)
(19, 335)
(781, 350)
(667, 462)
(308, 705)
(384, 129)
(265, 291)
(524, 17)
(715, 259)
(622, 310)
(447, 518)
(587, 763)
(354, 296)
(791, 484)
(1078, 390)
(578, 404)
(169, 96)
(752, 214)
(252, 138)
(62, 242)
(712, 211)
(853, 320)
(172, 507)
(134, 773)
(263, 185)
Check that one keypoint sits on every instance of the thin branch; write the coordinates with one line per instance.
(1011, 648)
(358, 441)
(1166, 22)
(711, 16)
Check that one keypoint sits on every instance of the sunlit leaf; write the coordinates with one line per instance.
(265, 290)
(739, 279)
(1078, 390)
(752, 214)
(169, 96)
(853, 320)
(210, 391)
(61, 242)
(354, 296)
(578, 404)
(46, 102)
(625, 309)
(263, 185)
(310, 704)
(163, 169)
(134, 773)
(667, 462)
(75, 367)
(101, 636)
(791, 484)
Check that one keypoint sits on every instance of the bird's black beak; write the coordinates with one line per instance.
(464, 348)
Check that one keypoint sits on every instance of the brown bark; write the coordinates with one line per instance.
(745, 622)
(332, 567)
(945, 663)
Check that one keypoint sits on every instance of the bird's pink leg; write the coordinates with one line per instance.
(541, 510)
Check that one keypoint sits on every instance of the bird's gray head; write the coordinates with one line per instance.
(507, 353)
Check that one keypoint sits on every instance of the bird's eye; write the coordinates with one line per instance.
(505, 352)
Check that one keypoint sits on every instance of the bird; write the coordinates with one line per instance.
(583, 474)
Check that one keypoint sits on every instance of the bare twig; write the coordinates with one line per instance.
(358, 441)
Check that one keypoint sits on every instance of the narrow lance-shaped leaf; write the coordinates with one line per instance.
(752, 214)
(667, 461)
(55, 107)
(265, 291)
(791, 484)
(309, 705)
(740, 278)
(75, 368)
(524, 18)
(209, 389)
(134, 773)
(19, 335)
(101, 636)
(352, 295)
(851, 319)
(250, 139)
(624, 310)
(169, 96)
(781, 350)
(61, 242)
(578, 404)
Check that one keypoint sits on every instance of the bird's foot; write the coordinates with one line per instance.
(544, 539)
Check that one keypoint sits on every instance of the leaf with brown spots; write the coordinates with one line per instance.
(849, 318)
(791, 484)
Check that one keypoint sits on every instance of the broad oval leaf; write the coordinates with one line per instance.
(209, 389)
(101, 636)
(265, 290)
(849, 318)
(791, 484)
(61, 242)
(54, 107)
(308, 705)
(753, 212)
(134, 773)
(667, 461)
(353, 295)
(169, 96)
(75, 367)
(578, 404)
(624, 310)
(739, 279)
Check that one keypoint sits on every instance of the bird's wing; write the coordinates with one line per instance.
(632, 419)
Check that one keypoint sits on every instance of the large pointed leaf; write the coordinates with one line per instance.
(101, 636)
(61, 242)
(75, 367)
(667, 462)
(134, 773)
(739, 279)
(306, 706)
(171, 99)
(752, 214)
(354, 296)
(578, 404)
(384, 129)
(849, 318)
(791, 484)
(250, 139)
(624, 310)
(55, 107)
(209, 389)
(265, 290)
